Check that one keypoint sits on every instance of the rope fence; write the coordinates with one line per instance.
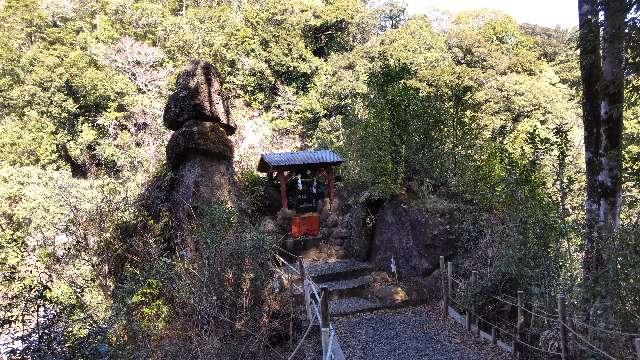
(316, 302)
(515, 341)
(471, 321)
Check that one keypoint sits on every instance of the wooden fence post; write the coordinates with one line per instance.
(636, 342)
(467, 321)
(449, 278)
(562, 318)
(519, 325)
(572, 337)
(514, 347)
(324, 321)
(473, 318)
(301, 269)
(531, 326)
(305, 288)
(445, 295)
(494, 335)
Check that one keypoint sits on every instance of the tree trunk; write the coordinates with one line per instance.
(590, 69)
(612, 103)
(602, 105)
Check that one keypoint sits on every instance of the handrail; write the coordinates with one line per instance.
(283, 261)
(333, 348)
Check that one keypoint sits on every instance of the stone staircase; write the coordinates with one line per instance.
(355, 287)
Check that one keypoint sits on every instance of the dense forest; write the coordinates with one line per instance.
(472, 114)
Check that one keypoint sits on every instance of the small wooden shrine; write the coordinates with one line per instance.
(305, 178)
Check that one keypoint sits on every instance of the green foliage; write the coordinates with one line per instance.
(254, 187)
(151, 311)
(55, 259)
(484, 114)
(631, 161)
(160, 298)
(479, 115)
(68, 102)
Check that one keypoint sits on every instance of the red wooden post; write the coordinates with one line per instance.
(283, 189)
(332, 189)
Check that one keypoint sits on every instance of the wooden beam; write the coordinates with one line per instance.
(324, 307)
(283, 190)
(445, 295)
(332, 190)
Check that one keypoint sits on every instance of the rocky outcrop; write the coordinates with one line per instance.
(198, 138)
(345, 224)
(198, 97)
(413, 237)
(200, 181)
(199, 152)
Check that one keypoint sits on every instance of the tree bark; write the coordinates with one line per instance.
(612, 103)
(591, 70)
(602, 105)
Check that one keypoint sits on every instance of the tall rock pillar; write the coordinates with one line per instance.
(199, 151)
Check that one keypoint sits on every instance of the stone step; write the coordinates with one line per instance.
(329, 271)
(359, 305)
(348, 287)
(353, 305)
(339, 288)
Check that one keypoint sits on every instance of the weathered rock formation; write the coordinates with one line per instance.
(198, 138)
(345, 224)
(199, 152)
(198, 96)
(414, 238)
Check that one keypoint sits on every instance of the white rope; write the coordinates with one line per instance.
(554, 318)
(613, 332)
(313, 287)
(287, 264)
(301, 340)
(586, 341)
(330, 347)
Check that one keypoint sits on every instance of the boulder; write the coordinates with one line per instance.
(201, 138)
(358, 243)
(200, 182)
(433, 284)
(198, 96)
(390, 294)
(283, 219)
(327, 208)
(413, 237)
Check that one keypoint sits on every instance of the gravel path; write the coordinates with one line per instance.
(409, 333)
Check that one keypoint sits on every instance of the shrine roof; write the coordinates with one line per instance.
(298, 160)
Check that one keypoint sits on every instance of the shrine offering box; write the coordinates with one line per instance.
(307, 224)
